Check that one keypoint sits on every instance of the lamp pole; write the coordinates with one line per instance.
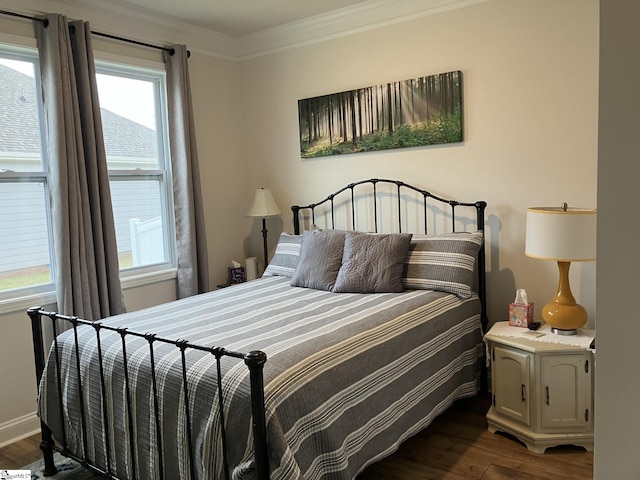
(264, 241)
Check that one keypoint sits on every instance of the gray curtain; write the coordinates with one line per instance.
(86, 255)
(193, 267)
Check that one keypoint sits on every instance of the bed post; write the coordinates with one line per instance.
(296, 219)
(482, 280)
(46, 445)
(482, 293)
(255, 361)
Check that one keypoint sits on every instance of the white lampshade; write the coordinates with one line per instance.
(264, 205)
(556, 233)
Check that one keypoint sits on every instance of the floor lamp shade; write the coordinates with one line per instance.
(565, 235)
(264, 206)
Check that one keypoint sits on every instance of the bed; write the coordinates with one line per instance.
(354, 339)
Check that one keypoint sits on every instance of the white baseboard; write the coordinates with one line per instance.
(19, 428)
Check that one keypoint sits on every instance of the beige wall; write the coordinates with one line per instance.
(530, 74)
(530, 105)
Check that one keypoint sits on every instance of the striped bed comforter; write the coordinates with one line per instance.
(348, 377)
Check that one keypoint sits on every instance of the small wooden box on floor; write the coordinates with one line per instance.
(542, 392)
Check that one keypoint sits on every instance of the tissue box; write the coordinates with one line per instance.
(520, 314)
(236, 275)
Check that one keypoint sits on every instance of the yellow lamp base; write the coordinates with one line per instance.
(566, 319)
(564, 315)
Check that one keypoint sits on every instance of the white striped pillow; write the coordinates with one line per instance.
(285, 260)
(443, 262)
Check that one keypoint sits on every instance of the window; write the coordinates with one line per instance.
(133, 108)
(132, 104)
(25, 253)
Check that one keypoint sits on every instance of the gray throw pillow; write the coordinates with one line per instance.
(320, 260)
(372, 263)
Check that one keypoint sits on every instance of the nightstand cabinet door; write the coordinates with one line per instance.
(511, 383)
(566, 392)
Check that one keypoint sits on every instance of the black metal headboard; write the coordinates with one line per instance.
(327, 207)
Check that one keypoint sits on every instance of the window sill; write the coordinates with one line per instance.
(21, 304)
(148, 278)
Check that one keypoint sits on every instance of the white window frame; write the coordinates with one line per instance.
(134, 276)
(23, 297)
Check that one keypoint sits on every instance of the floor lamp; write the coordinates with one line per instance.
(264, 206)
(565, 235)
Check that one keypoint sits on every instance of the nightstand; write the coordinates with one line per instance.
(541, 386)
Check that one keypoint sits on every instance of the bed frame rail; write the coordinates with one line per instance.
(254, 360)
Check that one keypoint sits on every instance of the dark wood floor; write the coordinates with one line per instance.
(21, 453)
(457, 446)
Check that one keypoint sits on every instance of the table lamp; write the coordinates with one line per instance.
(264, 206)
(566, 235)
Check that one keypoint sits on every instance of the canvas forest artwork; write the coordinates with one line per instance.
(410, 113)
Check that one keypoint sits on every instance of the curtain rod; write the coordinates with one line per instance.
(100, 34)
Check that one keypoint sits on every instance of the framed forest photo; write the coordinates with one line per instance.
(410, 113)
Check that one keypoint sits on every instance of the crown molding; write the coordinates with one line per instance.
(118, 17)
(340, 23)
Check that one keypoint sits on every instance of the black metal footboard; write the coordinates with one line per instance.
(254, 360)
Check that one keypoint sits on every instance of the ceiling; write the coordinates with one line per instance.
(239, 18)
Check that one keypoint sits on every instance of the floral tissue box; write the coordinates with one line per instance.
(520, 315)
